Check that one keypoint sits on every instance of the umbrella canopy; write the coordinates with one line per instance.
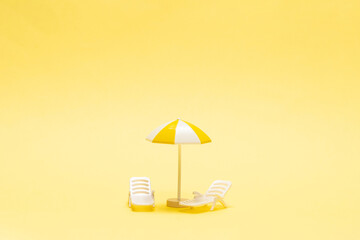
(178, 132)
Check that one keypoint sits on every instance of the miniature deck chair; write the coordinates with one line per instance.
(215, 193)
(140, 192)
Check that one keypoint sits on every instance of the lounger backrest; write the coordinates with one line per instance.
(218, 188)
(140, 185)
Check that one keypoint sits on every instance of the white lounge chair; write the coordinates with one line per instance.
(214, 194)
(140, 192)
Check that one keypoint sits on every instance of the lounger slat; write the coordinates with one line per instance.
(140, 184)
(140, 192)
(140, 188)
(222, 188)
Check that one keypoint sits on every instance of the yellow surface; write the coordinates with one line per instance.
(275, 84)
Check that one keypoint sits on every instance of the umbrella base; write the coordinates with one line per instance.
(175, 203)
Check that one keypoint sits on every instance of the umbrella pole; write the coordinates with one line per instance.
(175, 202)
(179, 172)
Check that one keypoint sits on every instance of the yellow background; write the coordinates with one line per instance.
(275, 84)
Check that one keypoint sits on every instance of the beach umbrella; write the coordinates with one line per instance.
(178, 132)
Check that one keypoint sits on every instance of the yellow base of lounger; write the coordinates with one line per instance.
(175, 203)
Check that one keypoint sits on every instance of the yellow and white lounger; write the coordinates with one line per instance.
(214, 194)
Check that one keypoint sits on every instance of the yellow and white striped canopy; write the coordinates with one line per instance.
(178, 132)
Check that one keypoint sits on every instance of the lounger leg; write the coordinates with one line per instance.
(130, 202)
(223, 202)
(213, 205)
